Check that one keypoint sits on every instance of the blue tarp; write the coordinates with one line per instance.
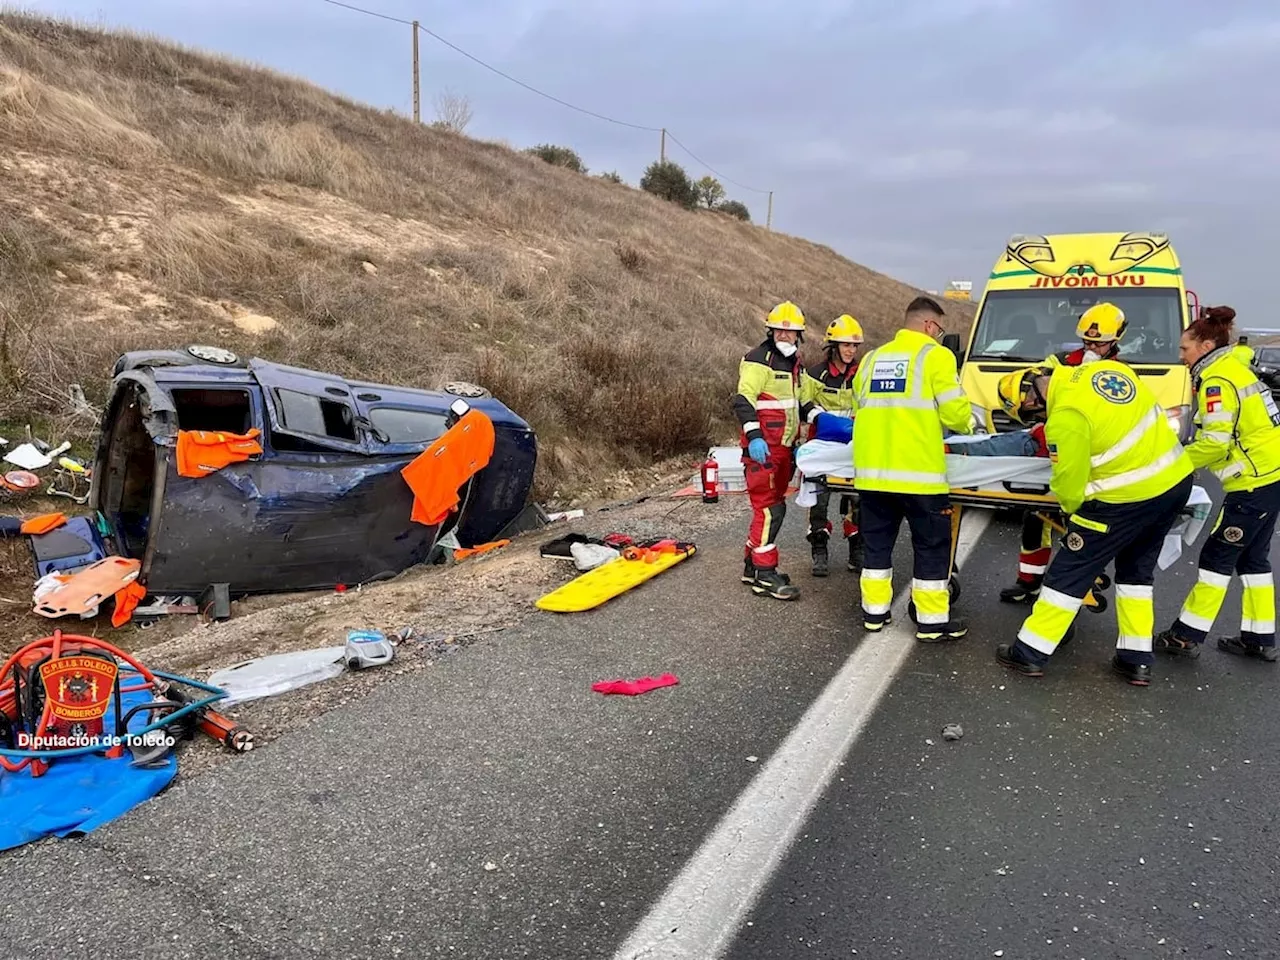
(79, 794)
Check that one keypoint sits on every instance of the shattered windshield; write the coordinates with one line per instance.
(1029, 325)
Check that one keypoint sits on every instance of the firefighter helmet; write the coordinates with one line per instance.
(785, 316)
(1016, 385)
(1102, 322)
(843, 329)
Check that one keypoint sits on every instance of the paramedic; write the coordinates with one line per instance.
(905, 393)
(1122, 477)
(1239, 441)
(829, 385)
(769, 410)
(1099, 329)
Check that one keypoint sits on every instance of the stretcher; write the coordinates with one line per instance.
(992, 483)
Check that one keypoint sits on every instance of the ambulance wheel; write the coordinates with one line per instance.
(1100, 603)
(1103, 582)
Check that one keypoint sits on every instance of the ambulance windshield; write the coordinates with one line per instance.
(1030, 325)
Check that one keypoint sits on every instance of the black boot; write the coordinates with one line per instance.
(1007, 654)
(1022, 591)
(770, 583)
(953, 629)
(1138, 674)
(1169, 642)
(855, 553)
(748, 571)
(1245, 648)
(819, 550)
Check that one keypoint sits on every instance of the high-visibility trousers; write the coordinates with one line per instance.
(767, 490)
(929, 519)
(1239, 544)
(1131, 534)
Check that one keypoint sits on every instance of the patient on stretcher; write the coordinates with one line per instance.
(1016, 443)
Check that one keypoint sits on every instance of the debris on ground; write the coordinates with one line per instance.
(952, 731)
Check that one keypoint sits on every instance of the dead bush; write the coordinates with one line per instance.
(630, 257)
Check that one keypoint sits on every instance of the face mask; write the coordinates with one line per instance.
(786, 349)
(1090, 356)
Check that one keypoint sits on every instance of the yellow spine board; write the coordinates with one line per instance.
(607, 581)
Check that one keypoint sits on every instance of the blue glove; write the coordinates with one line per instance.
(758, 450)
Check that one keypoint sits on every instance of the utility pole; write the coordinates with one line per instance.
(768, 223)
(662, 152)
(417, 109)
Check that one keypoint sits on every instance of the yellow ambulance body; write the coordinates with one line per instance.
(1042, 284)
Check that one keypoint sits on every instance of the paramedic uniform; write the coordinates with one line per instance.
(1239, 441)
(830, 390)
(905, 393)
(1122, 477)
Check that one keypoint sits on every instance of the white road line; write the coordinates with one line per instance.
(702, 910)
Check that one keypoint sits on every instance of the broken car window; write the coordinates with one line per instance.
(305, 413)
(408, 426)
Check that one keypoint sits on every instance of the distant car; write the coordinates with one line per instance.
(324, 504)
(1266, 363)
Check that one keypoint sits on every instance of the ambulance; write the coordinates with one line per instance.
(1041, 285)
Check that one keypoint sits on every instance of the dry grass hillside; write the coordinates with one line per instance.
(155, 196)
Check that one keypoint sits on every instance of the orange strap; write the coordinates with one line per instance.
(43, 523)
(435, 475)
(201, 452)
(482, 548)
(127, 601)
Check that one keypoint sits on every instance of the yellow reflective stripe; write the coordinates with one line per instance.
(1137, 475)
(1130, 439)
(1218, 418)
(1230, 470)
(1135, 616)
(775, 404)
(903, 476)
(1216, 436)
(1254, 388)
(1088, 524)
(876, 587)
(948, 395)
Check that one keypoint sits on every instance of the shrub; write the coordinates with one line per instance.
(710, 192)
(667, 179)
(630, 257)
(558, 156)
(612, 176)
(735, 208)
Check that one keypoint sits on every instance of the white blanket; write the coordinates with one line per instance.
(823, 458)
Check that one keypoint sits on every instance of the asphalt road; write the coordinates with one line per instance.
(496, 807)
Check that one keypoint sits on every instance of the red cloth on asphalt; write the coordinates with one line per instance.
(631, 688)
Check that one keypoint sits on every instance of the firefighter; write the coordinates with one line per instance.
(905, 393)
(1100, 329)
(1239, 441)
(770, 410)
(1122, 478)
(828, 385)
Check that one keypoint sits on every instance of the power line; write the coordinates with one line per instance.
(740, 186)
(563, 103)
(548, 96)
(371, 13)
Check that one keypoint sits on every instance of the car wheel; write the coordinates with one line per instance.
(462, 388)
(212, 354)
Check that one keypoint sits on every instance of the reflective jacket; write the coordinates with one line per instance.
(768, 402)
(905, 393)
(828, 388)
(1239, 437)
(1108, 438)
(1243, 352)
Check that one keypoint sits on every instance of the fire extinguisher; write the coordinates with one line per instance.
(710, 480)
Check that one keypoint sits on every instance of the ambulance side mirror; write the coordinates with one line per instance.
(952, 342)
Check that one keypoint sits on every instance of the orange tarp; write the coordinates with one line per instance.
(435, 475)
(201, 452)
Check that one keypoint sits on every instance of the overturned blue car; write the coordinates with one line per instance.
(323, 503)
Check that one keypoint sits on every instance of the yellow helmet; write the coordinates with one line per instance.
(843, 329)
(785, 316)
(1014, 387)
(1102, 321)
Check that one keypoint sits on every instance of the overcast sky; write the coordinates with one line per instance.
(911, 136)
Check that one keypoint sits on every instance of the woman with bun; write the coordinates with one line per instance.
(1239, 440)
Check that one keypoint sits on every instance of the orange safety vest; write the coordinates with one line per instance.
(435, 475)
(201, 452)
